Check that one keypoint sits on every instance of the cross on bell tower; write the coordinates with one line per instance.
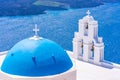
(36, 30)
(88, 13)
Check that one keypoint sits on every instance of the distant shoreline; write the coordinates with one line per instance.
(35, 7)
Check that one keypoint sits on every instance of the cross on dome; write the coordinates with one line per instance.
(35, 37)
(88, 12)
(36, 30)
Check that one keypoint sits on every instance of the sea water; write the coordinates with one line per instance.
(60, 26)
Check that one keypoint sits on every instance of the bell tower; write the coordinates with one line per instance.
(87, 46)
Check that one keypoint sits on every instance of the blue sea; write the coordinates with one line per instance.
(60, 26)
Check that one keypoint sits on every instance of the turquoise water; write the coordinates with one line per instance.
(60, 26)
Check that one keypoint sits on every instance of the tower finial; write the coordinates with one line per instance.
(88, 12)
(36, 30)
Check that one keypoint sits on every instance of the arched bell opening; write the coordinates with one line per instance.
(81, 48)
(86, 30)
(92, 50)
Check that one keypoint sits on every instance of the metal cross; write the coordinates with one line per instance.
(36, 30)
(88, 12)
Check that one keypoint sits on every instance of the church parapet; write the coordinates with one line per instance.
(3, 53)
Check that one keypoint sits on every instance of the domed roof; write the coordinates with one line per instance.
(36, 57)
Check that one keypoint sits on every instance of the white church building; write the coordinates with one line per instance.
(37, 58)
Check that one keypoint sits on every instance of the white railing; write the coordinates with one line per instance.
(3, 53)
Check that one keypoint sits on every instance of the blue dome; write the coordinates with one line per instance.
(41, 57)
